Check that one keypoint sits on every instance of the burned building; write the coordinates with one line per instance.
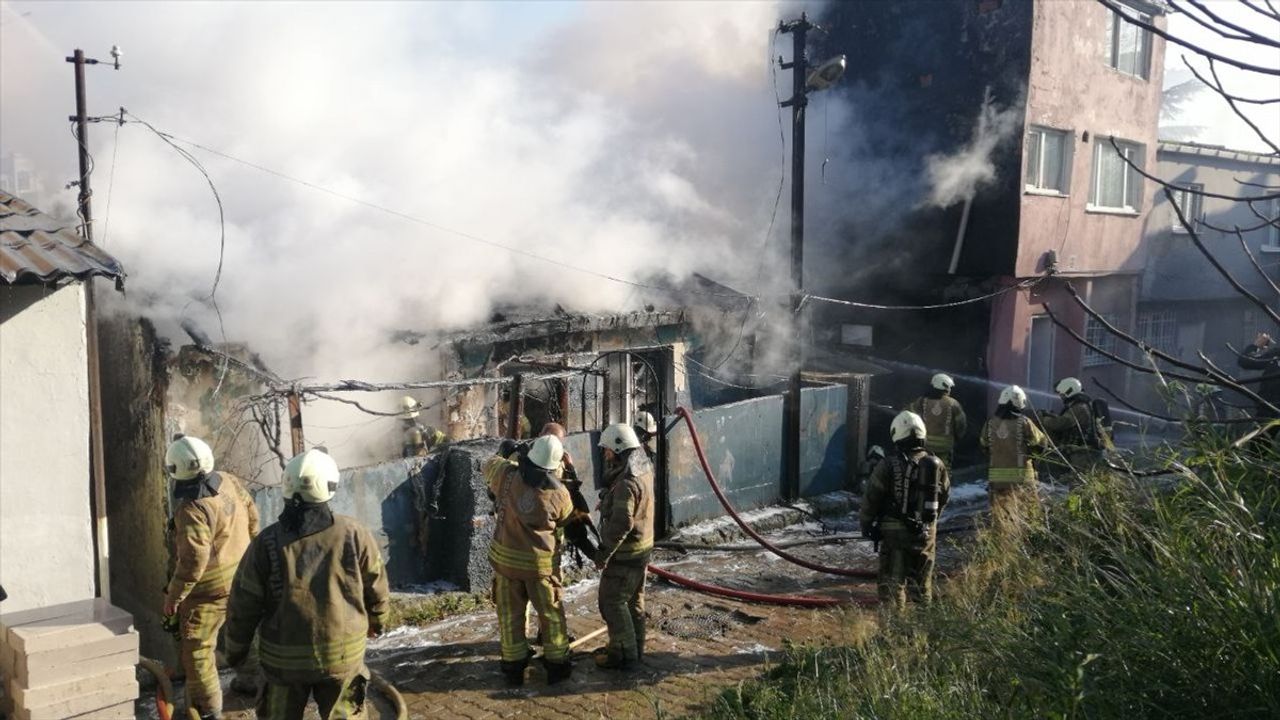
(1001, 117)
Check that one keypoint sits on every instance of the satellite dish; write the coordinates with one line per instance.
(826, 74)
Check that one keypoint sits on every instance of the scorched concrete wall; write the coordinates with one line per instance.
(46, 543)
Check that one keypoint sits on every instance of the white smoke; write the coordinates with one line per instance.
(957, 176)
(629, 140)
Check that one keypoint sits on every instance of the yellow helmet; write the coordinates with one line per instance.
(188, 458)
(312, 476)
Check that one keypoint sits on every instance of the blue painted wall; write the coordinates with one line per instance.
(433, 522)
(744, 446)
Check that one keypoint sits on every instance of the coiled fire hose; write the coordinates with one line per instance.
(724, 501)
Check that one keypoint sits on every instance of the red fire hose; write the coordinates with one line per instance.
(715, 487)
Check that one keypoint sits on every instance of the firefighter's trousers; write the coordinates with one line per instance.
(201, 619)
(621, 602)
(547, 597)
(337, 699)
(906, 567)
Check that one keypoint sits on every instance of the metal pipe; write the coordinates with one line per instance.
(791, 405)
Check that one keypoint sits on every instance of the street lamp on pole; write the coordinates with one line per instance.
(804, 80)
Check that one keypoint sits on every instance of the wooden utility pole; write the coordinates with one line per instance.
(97, 457)
(799, 30)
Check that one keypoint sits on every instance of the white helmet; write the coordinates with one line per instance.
(409, 406)
(188, 458)
(907, 424)
(546, 452)
(618, 437)
(313, 476)
(644, 421)
(1015, 396)
(943, 382)
(1069, 387)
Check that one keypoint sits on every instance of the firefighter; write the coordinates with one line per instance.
(214, 519)
(900, 509)
(418, 439)
(1264, 354)
(532, 508)
(626, 541)
(1077, 432)
(943, 417)
(314, 588)
(647, 432)
(873, 458)
(1010, 439)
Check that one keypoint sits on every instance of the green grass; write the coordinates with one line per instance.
(1128, 599)
(419, 610)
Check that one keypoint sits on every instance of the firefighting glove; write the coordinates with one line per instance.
(170, 624)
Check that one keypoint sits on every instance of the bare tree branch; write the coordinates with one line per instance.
(1213, 70)
(1116, 358)
(1135, 408)
(1254, 261)
(1227, 231)
(1190, 46)
(1223, 91)
(1206, 24)
(1166, 184)
(1272, 222)
(1273, 14)
(1247, 34)
(1195, 238)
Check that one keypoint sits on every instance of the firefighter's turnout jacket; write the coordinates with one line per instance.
(1010, 442)
(626, 512)
(944, 421)
(209, 536)
(530, 522)
(313, 593)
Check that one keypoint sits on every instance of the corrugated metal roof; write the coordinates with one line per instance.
(37, 248)
(1217, 151)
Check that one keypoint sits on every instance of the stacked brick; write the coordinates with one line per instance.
(75, 660)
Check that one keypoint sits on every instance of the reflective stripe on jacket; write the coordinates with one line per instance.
(1010, 442)
(529, 529)
(944, 421)
(210, 535)
(312, 600)
(626, 511)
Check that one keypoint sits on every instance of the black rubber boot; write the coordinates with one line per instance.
(557, 671)
(513, 671)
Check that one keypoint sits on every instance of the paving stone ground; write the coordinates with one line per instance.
(698, 645)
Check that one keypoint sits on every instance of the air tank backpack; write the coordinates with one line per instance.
(915, 494)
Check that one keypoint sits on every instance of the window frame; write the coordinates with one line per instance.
(1065, 159)
(1181, 192)
(1096, 333)
(1114, 34)
(1158, 328)
(1132, 186)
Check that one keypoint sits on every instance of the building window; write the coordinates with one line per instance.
(1129, 46)
(1116, 185)
(1048, 159)
(1098, 335)
(1188, 199)
(1159, 329)
(24, 181)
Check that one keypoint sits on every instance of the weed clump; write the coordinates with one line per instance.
(1129, 598)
